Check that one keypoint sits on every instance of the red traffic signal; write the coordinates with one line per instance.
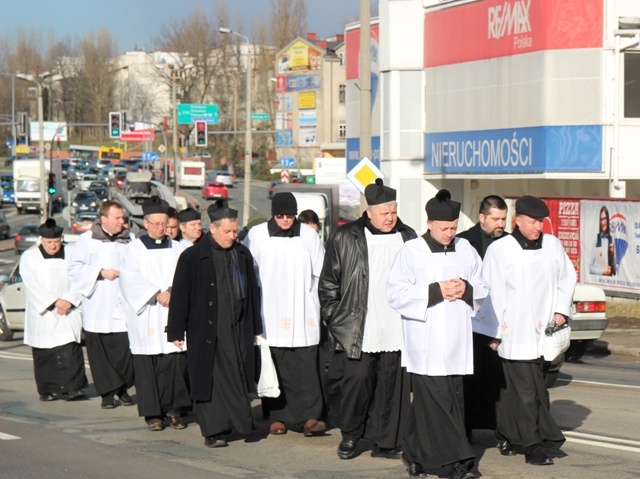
(201, 133)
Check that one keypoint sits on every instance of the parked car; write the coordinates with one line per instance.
(12, 304)
(588, 322)
(85, 201)
(26, 237)
(83, 221)
(5, 229)
(222, 177)
(214, 189)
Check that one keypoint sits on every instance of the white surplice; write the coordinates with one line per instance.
(45, 281)
(527, 288)
(288, 271)
(437, 339)
(103, 309)
(143, 274)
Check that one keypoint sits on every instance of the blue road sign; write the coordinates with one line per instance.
(149, 156)
(287, 162)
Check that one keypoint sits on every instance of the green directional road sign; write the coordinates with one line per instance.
(260, 116)
(188, 113)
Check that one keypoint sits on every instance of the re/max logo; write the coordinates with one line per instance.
(509, 18)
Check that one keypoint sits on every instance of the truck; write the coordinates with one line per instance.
(192, 174)
(26, 180)
(323, 199)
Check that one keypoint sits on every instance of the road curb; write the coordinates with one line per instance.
(604, 347)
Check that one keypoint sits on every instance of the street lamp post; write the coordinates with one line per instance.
(246, 211)
(39, 80)
(174, 113)
(13, 111)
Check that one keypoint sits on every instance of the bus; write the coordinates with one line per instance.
(83, 152)
(192, 174)
(108, 155)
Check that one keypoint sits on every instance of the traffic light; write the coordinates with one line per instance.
(52, 184)
(115, 124)
(201, 133)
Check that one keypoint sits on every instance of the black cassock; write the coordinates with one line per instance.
(60, 369)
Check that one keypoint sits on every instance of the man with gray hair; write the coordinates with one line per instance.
(215, 301)
(367, 389)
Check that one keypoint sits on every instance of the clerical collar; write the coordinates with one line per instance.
(58, 255)
(372, 229)
(524, 242)
(437, 247)
(151, 243)
(275, 230)
(215, 245)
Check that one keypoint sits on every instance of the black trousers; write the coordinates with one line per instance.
(524, 418)
(161, 384)
(436, 437)
(60, 369)
(300, 394)
(110, 361)
(369, 397)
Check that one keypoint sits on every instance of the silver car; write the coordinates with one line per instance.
(12, 303)
(223, 177)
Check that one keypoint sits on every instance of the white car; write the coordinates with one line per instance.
(12, 303)
(223, 177)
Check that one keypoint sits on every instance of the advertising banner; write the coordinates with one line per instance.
(307, 118)
(307, 137)
(564, 223)
(306, 100)
(300, 56)
(311, 81)
(499, 28)
(610, 237)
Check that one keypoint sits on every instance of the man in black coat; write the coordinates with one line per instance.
(482, 389)
(215, 301)
(367, 389)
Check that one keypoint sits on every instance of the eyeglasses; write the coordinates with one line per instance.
(157, 225)
(289, 217)
(603, 219)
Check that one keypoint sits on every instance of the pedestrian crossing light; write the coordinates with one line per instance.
(201, 133)
(115, 124)
(52, 184)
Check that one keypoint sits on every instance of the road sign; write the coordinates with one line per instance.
(188, 113)
(161, 148)
(149, 156)
(260, 116)
(287, 162)
(363, 174)
(137, 135)
(284, 138)
(47, 146)
(284, 176)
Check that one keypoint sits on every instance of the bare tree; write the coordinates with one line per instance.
(288, 20)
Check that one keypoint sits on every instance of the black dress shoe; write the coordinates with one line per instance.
(108, 402)
(215, 441)
(347, 448)
(538, 458)
(48, 397)
(461, 472)
(393, 453)
(506, 449)
(74, 395)
(554, 452)
(177, 422)
(413, 468)
(125, 399)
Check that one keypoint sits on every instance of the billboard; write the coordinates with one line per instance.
(298, 57)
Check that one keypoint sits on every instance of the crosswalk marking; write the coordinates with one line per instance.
(8, 437)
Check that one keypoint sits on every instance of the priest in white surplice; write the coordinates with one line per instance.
(288, 257)
(94, 271)
(434, 284)
(53, 322)
(532, 282)
(146, 274)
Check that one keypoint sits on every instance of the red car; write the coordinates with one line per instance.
(83, 221)
(214, 190)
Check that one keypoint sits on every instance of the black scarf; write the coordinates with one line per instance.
(275, 230)
(524, 242)
(58, 255)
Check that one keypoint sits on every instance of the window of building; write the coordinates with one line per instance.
(342, 130)
(342, 93)
(632, 85)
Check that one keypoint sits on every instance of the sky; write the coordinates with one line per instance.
(135, 24)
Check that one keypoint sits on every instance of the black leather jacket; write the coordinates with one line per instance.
(344, 284)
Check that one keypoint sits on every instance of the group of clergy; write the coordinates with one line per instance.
(402, 314)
